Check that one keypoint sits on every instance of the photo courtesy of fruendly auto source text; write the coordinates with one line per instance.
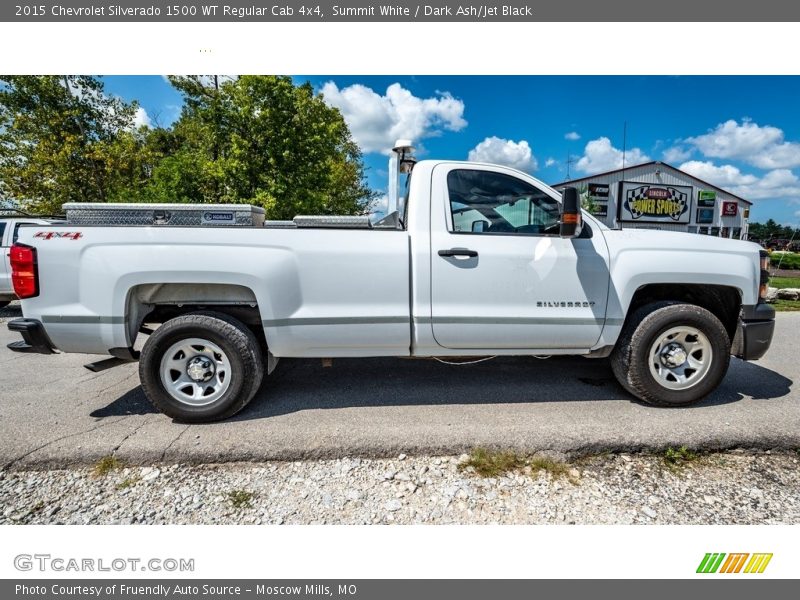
(399, 300)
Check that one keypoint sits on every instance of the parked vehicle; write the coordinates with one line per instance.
(475, 260)
(10, 223)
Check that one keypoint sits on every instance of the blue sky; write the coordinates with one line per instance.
(741, 133)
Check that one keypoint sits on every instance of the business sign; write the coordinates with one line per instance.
(598, 190)
(647, 202)
(705, 215)
(706, 198)
(596, 195)
(730, 209)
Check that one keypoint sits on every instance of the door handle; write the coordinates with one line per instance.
(458, 252)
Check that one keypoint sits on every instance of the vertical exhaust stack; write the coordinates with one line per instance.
(400, 161)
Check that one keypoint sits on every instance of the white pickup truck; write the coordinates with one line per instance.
(480, 260)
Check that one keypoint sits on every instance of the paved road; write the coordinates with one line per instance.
(54, 412)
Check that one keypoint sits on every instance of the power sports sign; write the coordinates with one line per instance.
(654, 203)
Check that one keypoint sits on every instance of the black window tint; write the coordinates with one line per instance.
(16, 233)
(484, 202)
(2, 231)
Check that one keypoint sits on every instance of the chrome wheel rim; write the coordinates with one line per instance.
(195, 371)
(680, 357)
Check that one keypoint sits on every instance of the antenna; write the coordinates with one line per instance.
(624, 145)
(570, 161)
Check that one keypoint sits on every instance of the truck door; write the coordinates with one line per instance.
(501, 277)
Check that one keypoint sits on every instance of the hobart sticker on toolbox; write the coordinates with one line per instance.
(49, 235)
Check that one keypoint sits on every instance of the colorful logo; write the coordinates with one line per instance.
(719, 562)
(655, 202)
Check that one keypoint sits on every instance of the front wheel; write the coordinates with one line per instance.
(201, 367)
(671, 354)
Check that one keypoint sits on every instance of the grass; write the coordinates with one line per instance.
(240, 499)
(105, 465)
(786, 260)
(784, 282)
(487, 463)
(493, 464)
(127, 482)
(555, 468)
(786, 305)
(679, 457)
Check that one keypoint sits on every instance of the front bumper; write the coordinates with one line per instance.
(754, 333)
(34, 337)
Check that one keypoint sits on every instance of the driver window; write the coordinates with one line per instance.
(484, 202)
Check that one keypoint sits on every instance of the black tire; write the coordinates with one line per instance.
(630, 359)
(231, 336)
(4, 303)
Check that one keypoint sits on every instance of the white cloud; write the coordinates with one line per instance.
(778, 183)
(550, 162)
(141, 118)
(379, 206)
(725, 176)
(572, 136)
(376, 121)
(763, 147)
(505, 152)
(599, 155)
(676, 154)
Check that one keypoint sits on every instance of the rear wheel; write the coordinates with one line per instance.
(201, 367)
(671, 354)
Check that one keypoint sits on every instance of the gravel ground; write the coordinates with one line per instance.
(734, 487)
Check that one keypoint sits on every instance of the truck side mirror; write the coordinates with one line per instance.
(571, 221)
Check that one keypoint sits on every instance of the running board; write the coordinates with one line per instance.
(119, 356)
(104, 365)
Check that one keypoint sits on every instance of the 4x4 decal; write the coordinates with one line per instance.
(49, 235)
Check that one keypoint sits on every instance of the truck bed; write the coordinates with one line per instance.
(320, 291)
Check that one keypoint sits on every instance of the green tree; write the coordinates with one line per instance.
(771, 230)
(265, 141)
(588, 202)
(253, 139)
(62, 139)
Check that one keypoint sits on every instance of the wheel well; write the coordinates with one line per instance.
(158, 303)
(722, 301)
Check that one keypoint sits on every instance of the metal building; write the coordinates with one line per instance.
(655, 195)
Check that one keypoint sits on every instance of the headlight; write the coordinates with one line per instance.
(763, 284)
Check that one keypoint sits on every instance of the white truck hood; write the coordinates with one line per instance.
(651, 239)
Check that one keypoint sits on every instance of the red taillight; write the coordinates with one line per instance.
(24, 271)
